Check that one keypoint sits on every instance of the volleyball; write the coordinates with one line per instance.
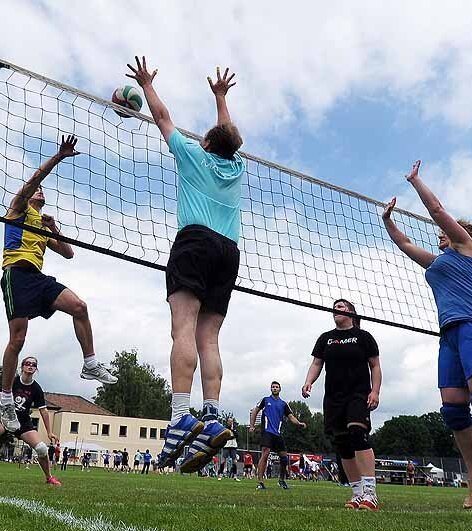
(127, 97)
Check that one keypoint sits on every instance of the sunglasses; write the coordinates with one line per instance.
(30, 364)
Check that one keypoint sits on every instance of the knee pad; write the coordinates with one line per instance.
(456, 416)
(41, 449)
(284, 460)
(359, 438)
(343, 445)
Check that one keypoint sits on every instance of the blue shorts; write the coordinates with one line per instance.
(455, 355)
(29, 293)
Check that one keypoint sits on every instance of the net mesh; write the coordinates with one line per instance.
(301, 239)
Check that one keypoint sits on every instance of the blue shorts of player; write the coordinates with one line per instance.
(29, 293)
(455, 355)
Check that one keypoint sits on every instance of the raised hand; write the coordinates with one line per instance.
(48, 221)
(414, 172)
(67, 148)
(389, 208)
(222, 84)
(141, 74)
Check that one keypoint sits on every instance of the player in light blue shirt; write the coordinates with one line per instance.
(202, 268)
(450, 276)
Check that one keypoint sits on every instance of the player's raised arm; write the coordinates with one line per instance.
(159, 111)
(20, 201)
(418, 254)
(220, 88)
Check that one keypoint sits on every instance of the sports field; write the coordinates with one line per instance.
(99, 501)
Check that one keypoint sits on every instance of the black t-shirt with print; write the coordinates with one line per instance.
(27, 396)
(345, 354)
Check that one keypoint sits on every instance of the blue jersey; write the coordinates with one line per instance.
(450, 278)
(273, 412)
(209, 187)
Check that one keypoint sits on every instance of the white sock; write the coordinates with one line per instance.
(356, 488)
(6, 398)
(91, 361)
(368, 485)
(180, 406)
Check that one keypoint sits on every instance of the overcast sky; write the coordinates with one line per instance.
(351, 93)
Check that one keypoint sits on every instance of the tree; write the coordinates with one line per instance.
(139, 392)
(442, 439)
(402, 436)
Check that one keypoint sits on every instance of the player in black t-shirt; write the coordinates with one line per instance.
(352, 385)
(27, 394)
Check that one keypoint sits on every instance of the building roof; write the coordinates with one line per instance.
(74, 403)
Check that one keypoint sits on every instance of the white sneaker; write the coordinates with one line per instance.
(100, 373)
(8, 417)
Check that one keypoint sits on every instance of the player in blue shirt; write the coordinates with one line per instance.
(274, 409)
(450, 276)
(202, 267)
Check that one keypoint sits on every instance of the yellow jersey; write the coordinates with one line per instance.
(22, 244)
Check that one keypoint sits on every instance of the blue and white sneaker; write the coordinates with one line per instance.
(213, 437)
(177, 437)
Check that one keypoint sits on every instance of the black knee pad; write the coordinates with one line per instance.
(456, 416)
(359, 437)
(343, 445)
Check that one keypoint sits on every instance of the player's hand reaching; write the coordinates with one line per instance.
(222, 84)
(373, 400)
(53, 437)
(414, 172)
(389, 208)
(306, 390)
(141, 74)
(48, 222)
(67, 148)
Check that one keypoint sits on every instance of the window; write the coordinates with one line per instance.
(153, 433)
(93, 429)
(162, 433)
(123, 431)
(74, 427)
(143, 433)
(105, 429)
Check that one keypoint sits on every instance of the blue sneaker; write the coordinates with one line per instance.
(183, 433)
(207, 443)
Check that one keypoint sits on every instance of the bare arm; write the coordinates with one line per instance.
(47, 424)
(158, 110)
(293, 419)
(252, 419)
(376, 378)
(418, 254)
(25, 193)
(62, 248)
(220, 89)
(457, 234)
(313, 374)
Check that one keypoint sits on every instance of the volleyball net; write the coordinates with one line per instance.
(303, 241)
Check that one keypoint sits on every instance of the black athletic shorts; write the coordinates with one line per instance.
(205, 263)
(339, 411)
(29, 293)
(25, 425)
(272, 441)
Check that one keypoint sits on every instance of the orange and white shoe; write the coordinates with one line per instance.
(53, 481)
(353, 503)
(369, 502)
(467, 503)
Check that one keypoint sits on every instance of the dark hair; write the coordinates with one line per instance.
(224, 140)
(356, 321)
(467, 225)
(276, 383)
(29, 358)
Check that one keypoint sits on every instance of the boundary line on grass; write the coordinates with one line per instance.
(68, 518)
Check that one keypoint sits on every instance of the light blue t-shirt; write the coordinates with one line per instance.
(450, 278)
(209, 187)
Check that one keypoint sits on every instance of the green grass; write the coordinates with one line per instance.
(190, 503)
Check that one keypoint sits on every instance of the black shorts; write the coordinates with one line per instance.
(25, 426)
(29, 293)
(136, 463)
(340, 411)
(230, 452)
(272, 441)
(205, 263)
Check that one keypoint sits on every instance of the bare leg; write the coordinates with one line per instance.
(352, 471)
(184, 308)
(32, 439)
(18, 328)
(208, 328)
(262, 465)
(68, 302)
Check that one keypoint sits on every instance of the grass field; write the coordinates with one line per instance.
(99, 501)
